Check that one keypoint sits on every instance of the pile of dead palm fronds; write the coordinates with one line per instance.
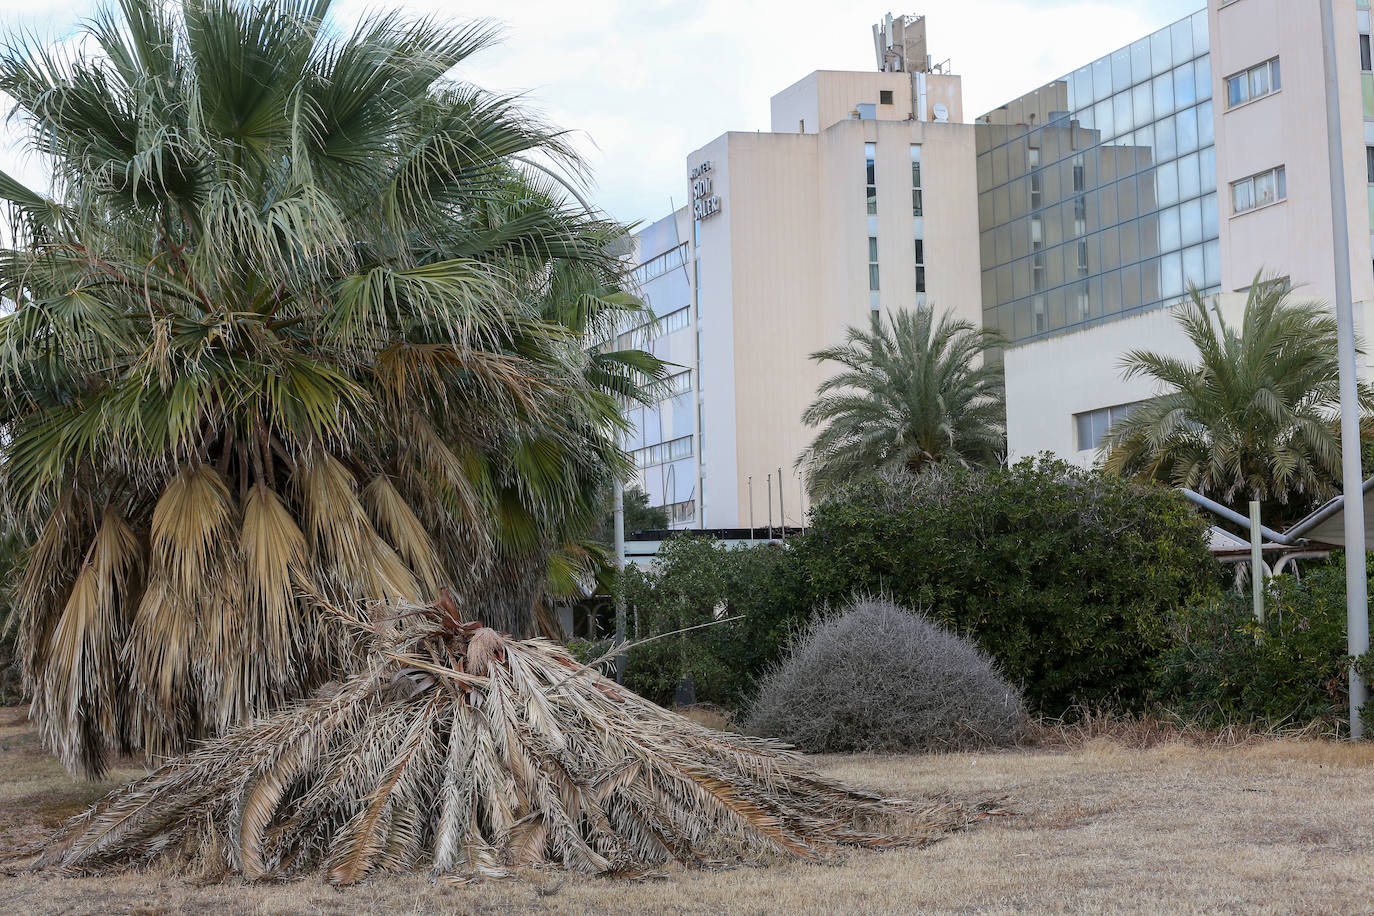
(469, 753)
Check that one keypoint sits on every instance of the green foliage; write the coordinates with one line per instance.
(295, 335)
(1253, 416)
(1065, 576)
(696, 581)
(1223, 666)
(639, 515)
(908, 393)
(11, 560)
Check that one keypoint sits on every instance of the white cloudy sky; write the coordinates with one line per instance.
(646, 81)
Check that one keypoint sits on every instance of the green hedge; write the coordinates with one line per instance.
(697, 581)
(1066, 576)
(1224, 667)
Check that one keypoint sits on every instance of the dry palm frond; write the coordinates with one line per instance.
(466, 752)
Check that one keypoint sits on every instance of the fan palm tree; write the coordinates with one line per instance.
(1253, 416)
(910, 392)
(291, 334)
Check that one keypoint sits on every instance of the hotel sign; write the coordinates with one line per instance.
(704, 203)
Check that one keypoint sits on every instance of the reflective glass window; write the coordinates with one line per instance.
(1140, 60)
(1102, 78)
(1149, 235)
(1143, 102)
(1161, 55)
(1171, 275)
(1122, 122)
(1181, 35)
(1170, 233)
(1162, 87)
(1189, 179)
(1207, 167)
(1185, 125)
(1166, 140)
(1211, 262)
(1202, 76)
(1190, 221)
(1206, 127)
(1121, 68)
(1184, 92)
(1210, 216)
(1194, 267)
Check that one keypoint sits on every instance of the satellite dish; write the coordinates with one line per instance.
(941, 112)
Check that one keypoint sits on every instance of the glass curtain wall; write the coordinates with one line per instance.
(1097, 193)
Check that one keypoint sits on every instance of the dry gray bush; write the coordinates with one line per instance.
(878, 677)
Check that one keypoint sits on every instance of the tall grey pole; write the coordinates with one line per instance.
(782, 511)
(770, 507)
(751, 507)
(618, 488)
(1256, 562)
(1356, 588)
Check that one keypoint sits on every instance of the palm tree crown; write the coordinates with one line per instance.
(911, 391)
(1255, 416)
(291, 334)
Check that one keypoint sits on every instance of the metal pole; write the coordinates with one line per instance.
(1356, 588)
(618, 512)
(782, 511)
(770, 507)
(1256, 562)
(751, 507)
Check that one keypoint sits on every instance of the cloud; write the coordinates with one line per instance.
(644, 82)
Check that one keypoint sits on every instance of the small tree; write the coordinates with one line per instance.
(910, 392)
(1255, 415)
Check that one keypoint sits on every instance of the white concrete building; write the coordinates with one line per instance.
(1068, 219)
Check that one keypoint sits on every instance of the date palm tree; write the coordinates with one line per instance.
(293, 339)
(911, 391)
(1254, 415)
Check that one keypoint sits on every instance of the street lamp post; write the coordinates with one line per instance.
(1356, 588)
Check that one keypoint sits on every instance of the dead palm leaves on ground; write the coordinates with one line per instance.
(467, 752)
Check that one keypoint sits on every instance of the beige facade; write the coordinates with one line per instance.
(784, 266)
(1068, 219)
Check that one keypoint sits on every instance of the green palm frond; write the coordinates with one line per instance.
(912, 391)
(1253, 416)
(297, 320)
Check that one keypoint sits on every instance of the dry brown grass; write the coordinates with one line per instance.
(1263, 826)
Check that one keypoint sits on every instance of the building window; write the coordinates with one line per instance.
(674, 321)
(884, 96)
(657, 267)
(663, 452)
(1258, 190)
(920, 266)
(871, 178)
(872, 264)
(1092, 426)
(1365, 63)
(916, 202)
(1259, 80)
(678, 383)
(681, 513)
(1369, 164)
(1036, 180)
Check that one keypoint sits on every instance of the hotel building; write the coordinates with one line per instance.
(1067, 219)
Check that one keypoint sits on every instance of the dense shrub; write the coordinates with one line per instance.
(1225, 667)
(877, 677)
(696, 581)
(1065, 576)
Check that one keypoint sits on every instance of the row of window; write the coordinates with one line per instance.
(678, 383)
(663, 452)
(1092, 426)
(637, 337)
(1258, 190)
(681, 513)
(1258, 81)
(1148, 284)
(658, 266)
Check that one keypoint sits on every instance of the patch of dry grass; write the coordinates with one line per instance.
(1264, 826)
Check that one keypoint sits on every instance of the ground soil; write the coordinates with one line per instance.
(1100, 825)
